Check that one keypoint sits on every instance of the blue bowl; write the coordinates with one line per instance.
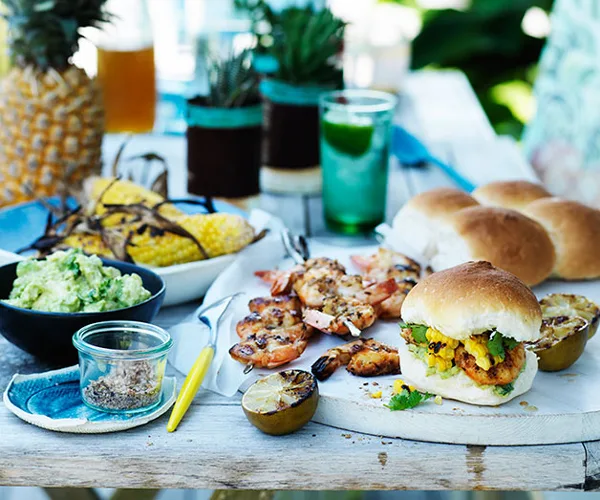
(48, 335)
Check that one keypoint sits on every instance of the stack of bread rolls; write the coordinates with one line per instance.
(518, 226)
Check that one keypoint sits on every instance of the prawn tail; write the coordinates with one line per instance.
(321, 368)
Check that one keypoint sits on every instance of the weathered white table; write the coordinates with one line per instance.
(215, 446)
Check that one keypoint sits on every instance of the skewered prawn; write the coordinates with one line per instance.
(282, 282)
(336, 302)
(272, 334)
(338, 316)
(272, 349)
(269, 313)
(346, 307)
(386, 264)
(363, 358)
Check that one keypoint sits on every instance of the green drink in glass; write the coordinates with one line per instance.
(355, 143)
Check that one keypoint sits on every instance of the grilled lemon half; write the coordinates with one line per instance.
(566, 304)
(562, 342)
(283, 402)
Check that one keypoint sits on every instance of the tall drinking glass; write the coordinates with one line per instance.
(126, 69)
(4, 61)
(355, 144)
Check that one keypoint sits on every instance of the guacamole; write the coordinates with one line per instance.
(73, 282)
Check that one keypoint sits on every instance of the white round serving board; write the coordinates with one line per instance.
(561, 407)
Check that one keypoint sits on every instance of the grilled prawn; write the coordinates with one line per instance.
(347, 308)
(364, 358)
(273, 333)
(283, 282)
(387, 264)
(501, 374)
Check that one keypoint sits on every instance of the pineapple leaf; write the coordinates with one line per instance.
(46, 33)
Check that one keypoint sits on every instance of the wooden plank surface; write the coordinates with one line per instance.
(200, 455)
(216, 447)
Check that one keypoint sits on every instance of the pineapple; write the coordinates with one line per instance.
(51, 115)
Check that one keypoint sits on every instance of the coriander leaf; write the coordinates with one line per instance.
(407, 399)
(418, 332)
(505, 390)
(495, 345)
(509, 343)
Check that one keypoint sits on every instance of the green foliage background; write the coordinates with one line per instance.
(485, 41)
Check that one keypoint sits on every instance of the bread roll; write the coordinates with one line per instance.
(575, 231)
(506, 238)
(510, 194)
(417, 222)
(473, 298)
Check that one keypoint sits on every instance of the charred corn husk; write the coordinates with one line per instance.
(123, 193)
(440, 350)
(219, 234)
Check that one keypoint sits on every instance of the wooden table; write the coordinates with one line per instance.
(215, 446)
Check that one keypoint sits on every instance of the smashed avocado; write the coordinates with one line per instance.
(74, 282)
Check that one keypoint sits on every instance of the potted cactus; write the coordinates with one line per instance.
(307, 45)
(224, 131)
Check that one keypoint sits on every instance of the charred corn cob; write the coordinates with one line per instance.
(219, 234)
(123, 193)
(440, 350)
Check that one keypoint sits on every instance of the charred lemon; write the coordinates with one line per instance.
(283, 402)
(566, 304)
(562, 342)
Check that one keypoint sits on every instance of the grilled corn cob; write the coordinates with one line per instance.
(440, 350)
(219, 234)
(477, 347)
(123, 193)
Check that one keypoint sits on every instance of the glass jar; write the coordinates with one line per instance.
(122, 365)
(126, 68)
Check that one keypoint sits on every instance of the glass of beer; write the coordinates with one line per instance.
(126, 70)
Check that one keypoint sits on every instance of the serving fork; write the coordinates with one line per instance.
(209, 315)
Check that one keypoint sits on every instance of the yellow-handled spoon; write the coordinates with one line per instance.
(210, 316)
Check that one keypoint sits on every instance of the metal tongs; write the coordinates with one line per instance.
(297, 248)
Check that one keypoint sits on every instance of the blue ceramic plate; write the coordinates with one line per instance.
(52, 400)
(21, 224)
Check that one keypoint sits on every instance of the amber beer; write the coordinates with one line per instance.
(128, 81)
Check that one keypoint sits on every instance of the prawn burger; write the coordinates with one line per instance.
(464, 332)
